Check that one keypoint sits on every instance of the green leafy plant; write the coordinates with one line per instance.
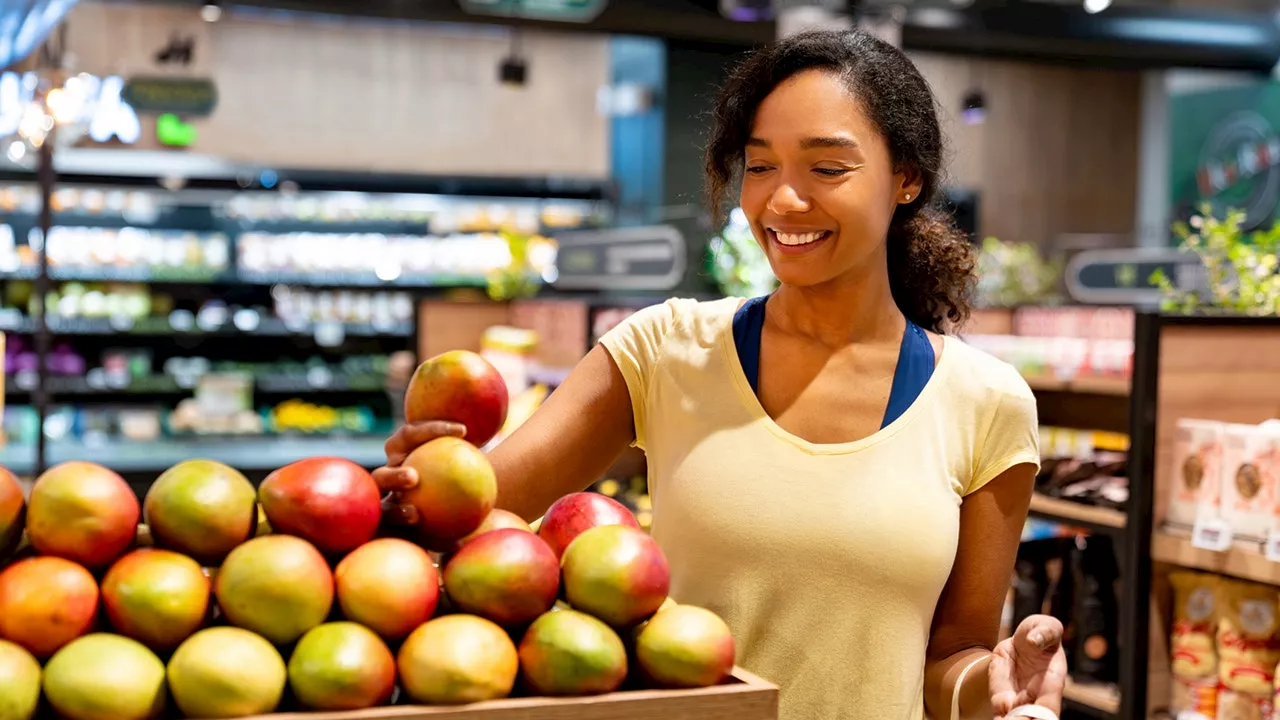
(1011, 274)
(519, 278)
(1239, 268)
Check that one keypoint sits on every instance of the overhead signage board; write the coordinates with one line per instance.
(187, 97)
(561, 10)
(652, 257)
(1123, 277)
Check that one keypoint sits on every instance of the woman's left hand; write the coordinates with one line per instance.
(1029, 668)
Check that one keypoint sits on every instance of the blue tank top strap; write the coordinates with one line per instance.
(915, 357)
(915, 367)
(748, 326)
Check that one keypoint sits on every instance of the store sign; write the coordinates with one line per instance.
(1226, 151)
(102, 109)
(1123, 277)
(632, 258)
(562, 10)
(188, 97)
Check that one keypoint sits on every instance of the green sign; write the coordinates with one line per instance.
(563, 10)
(171, 131)
(1226, 151)
(190, 97)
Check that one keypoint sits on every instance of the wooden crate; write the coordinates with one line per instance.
(744, 697)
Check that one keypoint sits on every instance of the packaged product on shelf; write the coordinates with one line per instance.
(1249, 479)
(1248, 650)
(1197, 472)
(1193, 656)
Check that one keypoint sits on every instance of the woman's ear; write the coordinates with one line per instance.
(910, 182)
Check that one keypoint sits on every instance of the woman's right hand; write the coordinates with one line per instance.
(394, 478)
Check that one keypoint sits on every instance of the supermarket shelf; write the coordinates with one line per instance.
(1113, 387)
(1074, 513)
(1243, 560)
(210, 276)
(1102, 700)
(245, 453)
(169, 385)
(267, 327)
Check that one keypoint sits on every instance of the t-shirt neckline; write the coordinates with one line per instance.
(752, 405)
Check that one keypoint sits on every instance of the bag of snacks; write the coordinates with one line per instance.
(1248, 650)
(1193, 658)
(1197, 458)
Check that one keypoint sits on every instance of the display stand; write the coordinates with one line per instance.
(1212, 368)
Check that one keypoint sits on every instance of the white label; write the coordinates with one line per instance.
(1272, 546)
(1211, 534)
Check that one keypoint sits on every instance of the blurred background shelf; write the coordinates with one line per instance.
(1086, 516)
(1101, 700)
(1086, 385)
(1243, 560)
(246, 453)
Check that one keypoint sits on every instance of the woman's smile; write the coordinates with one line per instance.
(795, 242)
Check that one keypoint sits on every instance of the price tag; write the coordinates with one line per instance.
(1272, 546)
(1211, 534)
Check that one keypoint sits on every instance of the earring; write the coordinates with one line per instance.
(907, 196)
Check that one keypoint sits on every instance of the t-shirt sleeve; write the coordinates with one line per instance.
(636, 345)
(1013, 436)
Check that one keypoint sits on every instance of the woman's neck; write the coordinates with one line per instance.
(839, 312)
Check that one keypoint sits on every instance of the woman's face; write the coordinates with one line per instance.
(819, 187)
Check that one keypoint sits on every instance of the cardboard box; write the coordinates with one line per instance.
(744, 697)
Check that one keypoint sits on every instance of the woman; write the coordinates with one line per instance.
(838, 479)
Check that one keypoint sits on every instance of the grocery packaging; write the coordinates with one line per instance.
(1193, 656)
(1197, 467)
(1248, 650)
(1249, 479)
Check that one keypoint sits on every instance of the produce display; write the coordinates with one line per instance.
(230, 602)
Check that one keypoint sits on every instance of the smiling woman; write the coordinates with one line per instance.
(841, 123)
(831, 474)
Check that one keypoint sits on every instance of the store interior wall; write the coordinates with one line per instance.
(1057, 152)
(309, 91)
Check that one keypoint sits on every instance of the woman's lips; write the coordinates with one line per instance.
(797, 243)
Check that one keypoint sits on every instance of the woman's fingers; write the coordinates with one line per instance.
(410, 437)
(1039, 632)
(394, 479)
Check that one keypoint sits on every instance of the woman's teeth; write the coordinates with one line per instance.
(798, 238)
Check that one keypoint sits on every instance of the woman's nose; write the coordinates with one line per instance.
(787, 199)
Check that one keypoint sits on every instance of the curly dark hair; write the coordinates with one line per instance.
(931, 262)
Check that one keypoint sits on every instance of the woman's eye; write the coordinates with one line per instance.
(757, 169)
(830, 172)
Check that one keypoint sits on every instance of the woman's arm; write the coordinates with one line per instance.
(569, 442)
(966, 624)
(566, 445)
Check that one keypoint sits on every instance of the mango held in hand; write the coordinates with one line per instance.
(105, 677)
(684, 646)
(457, 659)
(462, 387)
(226, 672)
(509, 576)
(341, 666)
(19, 683)
(456, 489)
(201, 508)
(12, 513)
(566, 652)
(330, 502)
(616, 573)
(156, 597)
(82, 512)
(45, 603)
(278, 586)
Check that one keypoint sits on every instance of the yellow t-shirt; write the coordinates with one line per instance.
(826, 560)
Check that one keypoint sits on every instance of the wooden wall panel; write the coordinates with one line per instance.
(370, 96)
(1058, 152)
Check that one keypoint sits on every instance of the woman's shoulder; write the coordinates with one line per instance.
(983, 374)
(688, 317)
